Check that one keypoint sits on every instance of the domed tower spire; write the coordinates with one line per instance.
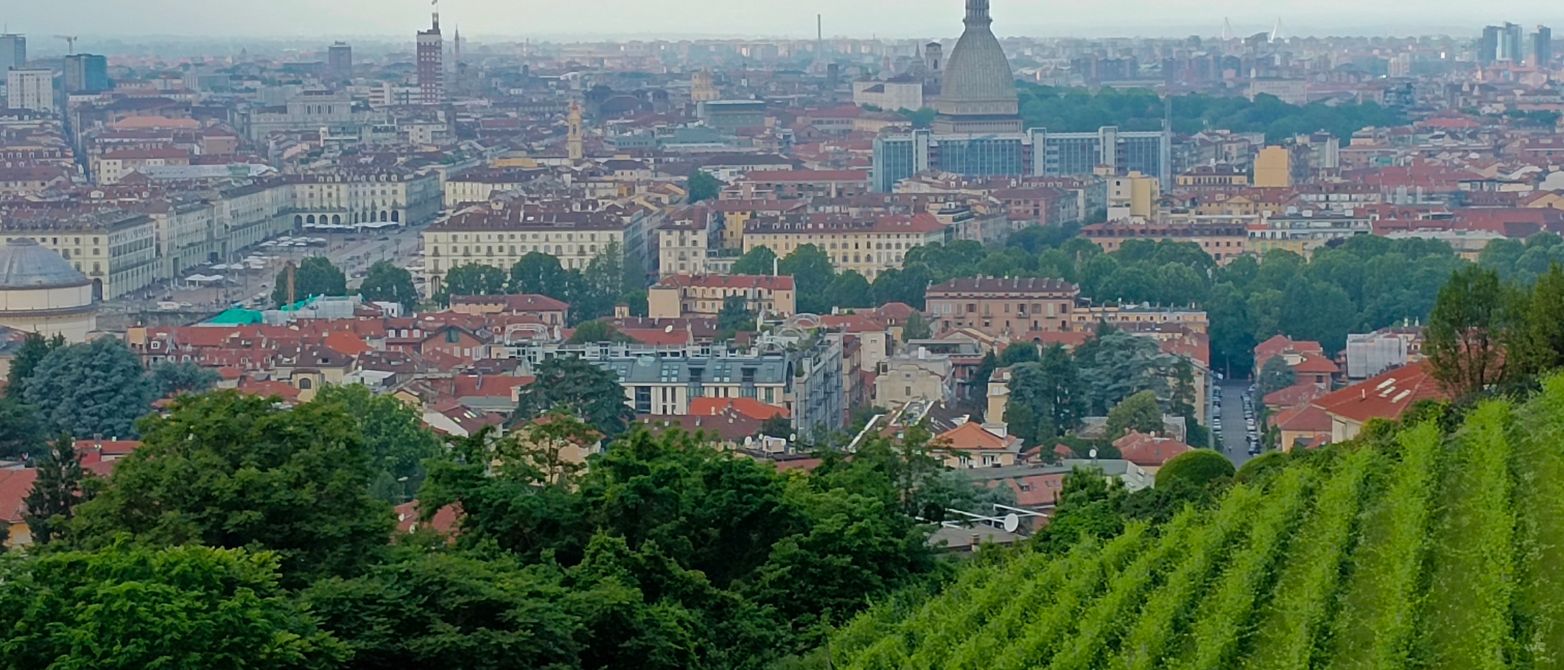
(977, 13)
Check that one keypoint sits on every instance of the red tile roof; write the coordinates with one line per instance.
(1292, 396)
(1316, 364)
(346, 343)
(749, 407)
(1148, 450)
(1385, 396)
(14, 487)
(1303, 418)
(971, 436)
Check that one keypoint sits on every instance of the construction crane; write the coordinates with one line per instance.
(70, 43)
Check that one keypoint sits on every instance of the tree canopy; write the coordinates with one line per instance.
(703, 186)
(580, 388)
(385, 282)
(316, 275)
(233, 471)
(95, 388)
(128, 607)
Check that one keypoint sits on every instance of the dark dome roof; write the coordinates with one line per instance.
(24, 264)
(978, 79)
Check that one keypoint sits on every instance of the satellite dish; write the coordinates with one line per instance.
(1092, 453)
(668, 328)
(1012, 522)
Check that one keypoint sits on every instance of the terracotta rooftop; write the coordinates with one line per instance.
(1385, 396)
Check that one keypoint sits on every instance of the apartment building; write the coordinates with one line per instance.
(1011, 307)
(678, 296)
(867, 247)
(1223, 242)
(475, 186)
(500, 237)
(117, 250)
(356, 197)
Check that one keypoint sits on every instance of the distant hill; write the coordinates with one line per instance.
(1417, 548)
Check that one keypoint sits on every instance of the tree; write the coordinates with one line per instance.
(385, 282)
(592, 332)
(180, 607)
(1017, 353)
(56, 492)
(21, 432)
(1537, 345)
(455, 610)
(315, 276)
(170, 378)
(542, 274)
(777, 426)
(1139, 412)
(1045, 399)
(1276, 375)
(1201, 467)
(93, 388)
(1116, 365)
(227, 470)
(32, 352)
(393, 433)
(471, 279)
(734, 317)
(703, 186)
(849, 290)
(756, 261)
(812, 274)
(1464, 334)
(916, 328)
(580, 388)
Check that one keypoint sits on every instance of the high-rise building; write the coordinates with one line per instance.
(1542, 47)
(1488, 45)
(86, 73)
(339, 61)
(13, 51)
(431, 64)
(30, 89)
(1502, 44)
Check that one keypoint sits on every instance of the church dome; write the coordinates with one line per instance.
(24, 264)
(978, 80)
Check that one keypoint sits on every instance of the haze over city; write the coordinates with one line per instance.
(747, 18)
(781, 335)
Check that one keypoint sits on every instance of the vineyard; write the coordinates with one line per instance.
(1426, 549)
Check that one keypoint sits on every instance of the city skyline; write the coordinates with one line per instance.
(757, 18)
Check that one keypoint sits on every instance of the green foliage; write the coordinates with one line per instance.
(316, 276)
(1045, 397)
(1139, 413)
(132, 608)
(921, 118)
(1069, 109)
(385, 282)
(1200, 467)
(471, 279)
(1276, 375)
(394, 435)
(591, 332)
(756, 261)
(917, 328)
(60, 486)
(93, 388)
(460, 611)
(734, 317)
(1412, 547)
(32, 352)
(1464, 338)
(579, 388)
(849, 290)
(812, 275)
(185, 377)
(703, 186)
(1472, 571)
(233, 471)
(21, 432)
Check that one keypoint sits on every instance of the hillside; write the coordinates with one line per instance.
(1419, 548)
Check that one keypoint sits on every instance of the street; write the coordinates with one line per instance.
(1235, 440)
(352, 252)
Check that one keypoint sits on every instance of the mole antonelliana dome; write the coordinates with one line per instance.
(978, 92)
(40, 292)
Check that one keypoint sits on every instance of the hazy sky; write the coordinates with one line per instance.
(682, 18)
